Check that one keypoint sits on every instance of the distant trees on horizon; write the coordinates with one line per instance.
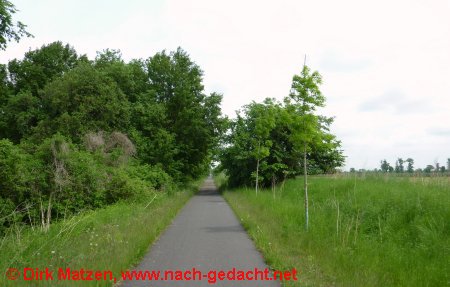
(407, 166)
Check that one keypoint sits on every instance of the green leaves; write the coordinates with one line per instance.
(191, 116)
(303, 100)
(159, 102)
(272, 136)
(305, 91)
(8, 29)
(39, 67)
(85, 100)
(90, 133)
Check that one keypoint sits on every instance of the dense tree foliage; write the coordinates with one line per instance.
(192, 117)
(270, 141)
(77, 134)
(268, 132)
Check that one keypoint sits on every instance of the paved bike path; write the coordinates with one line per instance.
(205, 235)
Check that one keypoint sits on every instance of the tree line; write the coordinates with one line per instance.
(79, 133)
(400, 168)
(407, 166)
(269, 141)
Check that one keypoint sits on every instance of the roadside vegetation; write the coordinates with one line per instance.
(373, 230)
(79, 134)
(272, 141)
(112, 238)
(389, 227)
(96, 155)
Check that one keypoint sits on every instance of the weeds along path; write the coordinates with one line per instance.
(205, 235)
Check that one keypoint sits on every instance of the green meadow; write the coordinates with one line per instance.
(365, 230)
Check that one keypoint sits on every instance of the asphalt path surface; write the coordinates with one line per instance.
(205, 235)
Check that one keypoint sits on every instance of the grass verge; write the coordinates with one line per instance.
(113, 238)
(364, 231)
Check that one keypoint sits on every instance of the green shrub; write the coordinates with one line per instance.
(66, 179)
(12, 172)
(7, 210)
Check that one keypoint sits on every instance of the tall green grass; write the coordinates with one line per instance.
(364, 230)
(113, 238)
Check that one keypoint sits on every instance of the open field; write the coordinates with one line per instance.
(113, 238)
(364, 230)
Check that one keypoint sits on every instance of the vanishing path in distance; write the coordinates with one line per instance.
(206, 235)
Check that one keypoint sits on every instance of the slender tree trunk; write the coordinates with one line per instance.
(282, 183)
(29, 216)
(257, 170)
(273, 186)
(257, 179)
(306, 188)
(305, 172)
(49, 213)
(42, 215)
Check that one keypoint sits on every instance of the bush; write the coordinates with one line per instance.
(11, 171)
(7, 209)
(59, 176)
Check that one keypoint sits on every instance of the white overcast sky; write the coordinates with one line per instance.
(385, 63)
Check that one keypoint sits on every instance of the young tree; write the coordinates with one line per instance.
(236, 157)
(410, 167)
(8, 29)
(306, 97)
(272, 170)
(263, 122)
(385, 166)
(239, 153)
(429, 168)
(399, 165)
